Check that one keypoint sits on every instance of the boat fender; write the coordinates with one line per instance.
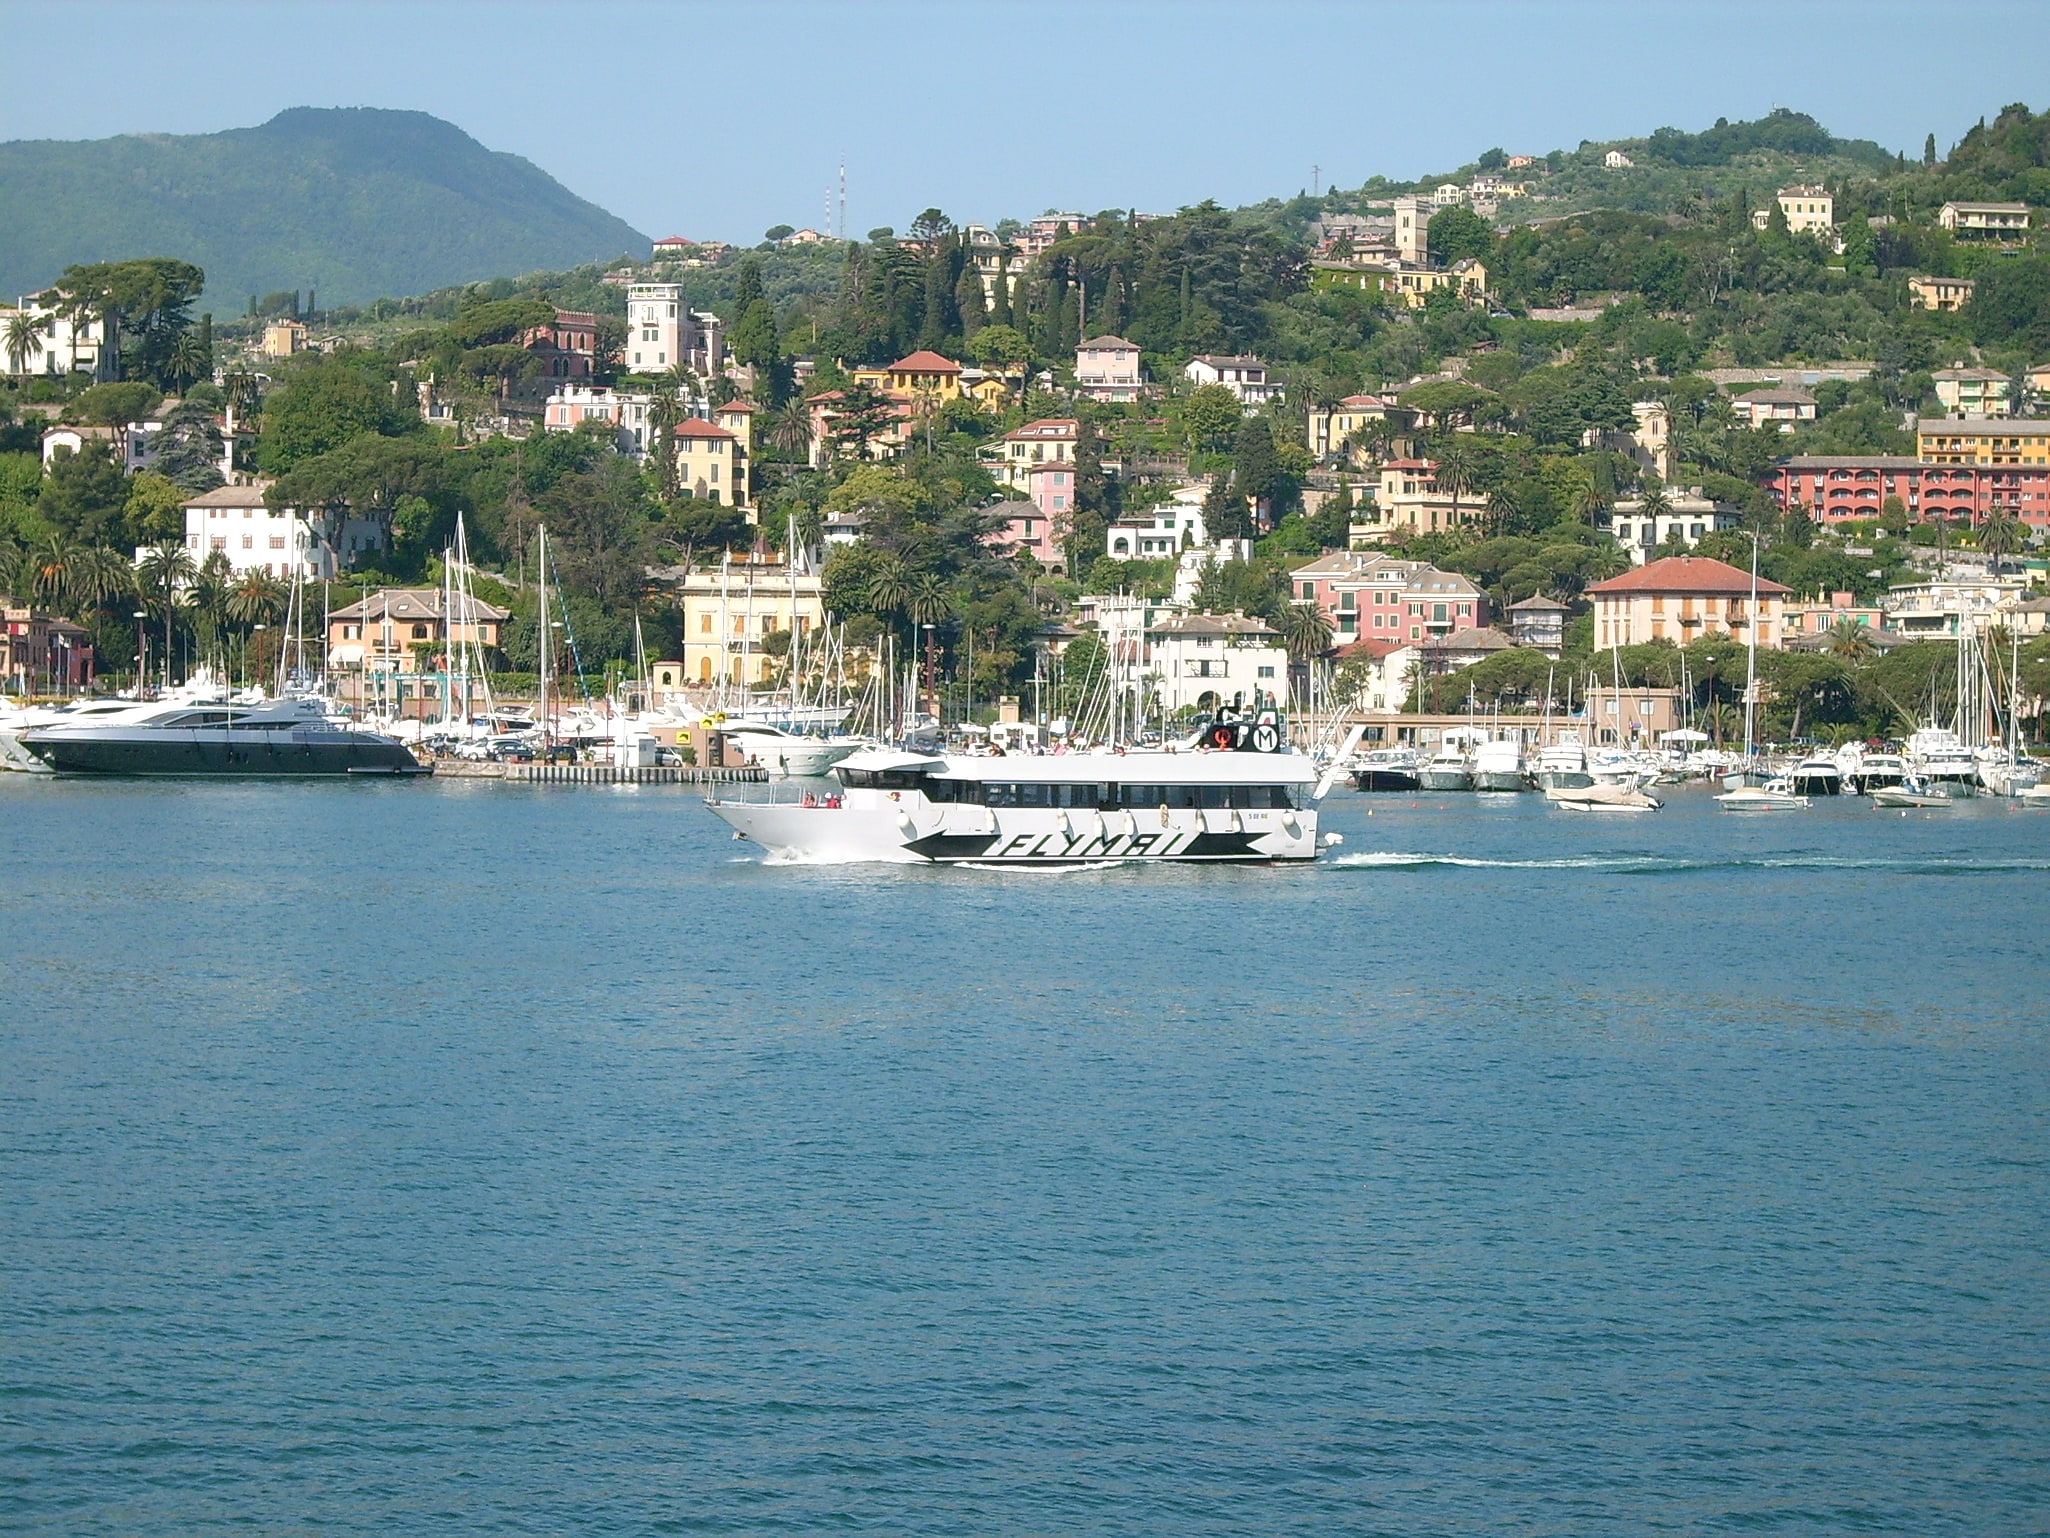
(1266, 739)
(904, 821)
(1163, 814)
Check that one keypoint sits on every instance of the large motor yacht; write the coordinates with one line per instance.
(1234, 794)
(15, 720)
(790, 755)
(1941, 764)
(289, 736)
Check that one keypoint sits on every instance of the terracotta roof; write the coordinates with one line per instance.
(1370, 646)
(228, 496)
(1688, 574)
(1483, 639)
(742, 406)
(1968, 373)
(695, 427)
(925, 362)
(1046, 427)
(675, 240)
(1101, 342)
(1776, 396)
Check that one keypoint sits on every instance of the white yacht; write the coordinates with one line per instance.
(289, 736)
(1195, 803)
(1865, 772)
(790, 755)
(1448, 768)
(1498, 765)
(1563, 766)
(1817, 775)
(1942, 764)
(1602, 798)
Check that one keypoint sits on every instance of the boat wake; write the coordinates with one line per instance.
(1660, 865)
(1080, 868)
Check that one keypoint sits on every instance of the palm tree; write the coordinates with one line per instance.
(257, 598)
(2000, 535)
(928, 603)
(889, 589)
(104, 575)
(790, 431)
(1850, 640)
(165, 569)
(1455, 473)
(25, 332)
(206, 599)
(1305, 630)
(1590, 501)
(1501, 508)
(50, 571)
(188, 360)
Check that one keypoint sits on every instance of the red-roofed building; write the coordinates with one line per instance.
(1682, 598)
(674, 245)
(921, 373)
(568, 348)
(710, 462)
(1050, 440)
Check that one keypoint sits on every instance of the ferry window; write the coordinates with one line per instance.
(994, 794)
(1141, 795)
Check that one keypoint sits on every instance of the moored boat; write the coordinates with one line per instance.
(1498, 765)
(1385, 769)
(1773, 796)
(1602, 798)
(1446, 769)
(1907, 796)
(1816, 775)
(289, 736)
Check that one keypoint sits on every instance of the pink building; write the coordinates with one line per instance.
(1051, 488)
(1839, 488)
(1028, 529)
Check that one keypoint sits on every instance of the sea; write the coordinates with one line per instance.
(449, 1158)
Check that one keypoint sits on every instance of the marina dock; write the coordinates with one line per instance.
(594, 774)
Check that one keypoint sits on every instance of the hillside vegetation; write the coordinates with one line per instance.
(352, 202)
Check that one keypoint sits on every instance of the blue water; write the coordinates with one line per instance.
(449, 1159)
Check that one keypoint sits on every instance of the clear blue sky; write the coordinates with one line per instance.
(989, 108)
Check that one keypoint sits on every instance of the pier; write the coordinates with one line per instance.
(595, 774)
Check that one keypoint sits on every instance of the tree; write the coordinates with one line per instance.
(317, 410)
(189, 449)
(24, 339)
(999, 345)
(862, 415)
(1305, 630)
(163, 571)
(1999, 536)
(1255, 467)
(779, 232)
(1454, 233)
(143, 304)
(790, 432)
(85, 494)
(1455, 474)
(114, 405)
(1224, 511)
(1211, 415)
(155, 509)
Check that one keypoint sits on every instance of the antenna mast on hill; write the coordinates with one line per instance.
(842, 231)
(1316, 181)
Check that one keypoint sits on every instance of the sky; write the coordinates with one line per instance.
(716, 119)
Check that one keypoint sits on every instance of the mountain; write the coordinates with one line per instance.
(357, 202)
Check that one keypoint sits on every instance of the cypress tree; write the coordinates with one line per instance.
(968, 299)
(747, 286)
(1000, 300)
(1929, 151)
(1224, 511)
(1255, 464)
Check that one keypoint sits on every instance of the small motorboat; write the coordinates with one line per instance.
(2035, 795)
(1773, 796)
(1602, 798)
(1907, 796)
(1385, 769)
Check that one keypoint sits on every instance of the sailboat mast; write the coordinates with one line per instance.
(546, 644)
(1751, 656)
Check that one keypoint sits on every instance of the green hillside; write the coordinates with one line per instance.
(353, 202)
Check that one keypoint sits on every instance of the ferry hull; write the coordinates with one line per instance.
(849, 835)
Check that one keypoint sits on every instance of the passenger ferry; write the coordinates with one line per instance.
(1232, 795)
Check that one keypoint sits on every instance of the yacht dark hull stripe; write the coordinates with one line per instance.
(319, 757)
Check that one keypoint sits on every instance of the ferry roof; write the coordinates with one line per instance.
(1194, 766)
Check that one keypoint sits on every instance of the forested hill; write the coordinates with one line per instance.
(354, 202)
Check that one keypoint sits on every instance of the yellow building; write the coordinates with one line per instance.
(730, 613)
(1940, 293)
(1411, 283)
(1808, 211)
(1983, 441)
(283, 338)
(923, 373)
(1330, 427)
(1683, 598)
